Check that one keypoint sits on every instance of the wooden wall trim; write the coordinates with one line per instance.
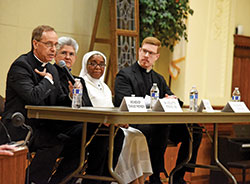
(241, 46)
(241, 67)
(241, 41)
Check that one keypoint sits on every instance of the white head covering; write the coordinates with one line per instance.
(85, 61)
(99, 93)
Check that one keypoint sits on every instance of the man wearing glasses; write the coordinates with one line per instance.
(32, 80)
(138, 80)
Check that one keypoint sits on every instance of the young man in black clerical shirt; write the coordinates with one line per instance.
(138, 79)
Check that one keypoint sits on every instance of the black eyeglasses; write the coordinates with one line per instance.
(149, 52)
(94, 64)
(49, 44)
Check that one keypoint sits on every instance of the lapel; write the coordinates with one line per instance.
(63, 79)
(34, 63)
(49, 68)
(138, 80)
(154, 77)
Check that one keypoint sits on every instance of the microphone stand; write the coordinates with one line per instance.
(27, 138)
(18, 120)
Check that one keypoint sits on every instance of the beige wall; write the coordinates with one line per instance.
(19, 17)
(242, 13)
(209, 51)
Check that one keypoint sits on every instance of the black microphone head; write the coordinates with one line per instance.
(17, 119)
(62, 63)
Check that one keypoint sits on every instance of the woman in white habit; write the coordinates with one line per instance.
(134, 161)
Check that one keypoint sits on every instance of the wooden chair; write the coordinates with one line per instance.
(244, 165)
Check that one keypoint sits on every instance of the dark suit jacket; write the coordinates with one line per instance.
(129, 81)
(25, 87)
(64, 83)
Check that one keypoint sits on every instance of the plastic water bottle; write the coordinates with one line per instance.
(154, 94)
(236, 95)
(77, 94)
(193, 99)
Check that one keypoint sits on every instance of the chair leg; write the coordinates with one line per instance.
(243, 176)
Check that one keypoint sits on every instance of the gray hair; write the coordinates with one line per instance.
(67, 41)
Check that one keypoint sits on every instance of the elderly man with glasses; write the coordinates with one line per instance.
(33, 80)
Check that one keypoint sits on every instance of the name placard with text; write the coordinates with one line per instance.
(235, 107)
(167, 105)
(205, 104)
(133, 104)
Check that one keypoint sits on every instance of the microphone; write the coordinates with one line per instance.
(17, 119)
(62, 64)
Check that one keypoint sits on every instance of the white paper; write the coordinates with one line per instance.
(147, 101)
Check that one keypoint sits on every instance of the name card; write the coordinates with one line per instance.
(205, 104)
(133, 104)
(167, 105)
(235, 107)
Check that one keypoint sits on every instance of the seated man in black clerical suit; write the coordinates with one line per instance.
(32, 80)
(138, 79)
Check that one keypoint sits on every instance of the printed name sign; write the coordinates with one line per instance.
(205, 104)
(167, 105)
(235, 107)
(133, 104)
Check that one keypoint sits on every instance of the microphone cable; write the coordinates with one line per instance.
(6, 132)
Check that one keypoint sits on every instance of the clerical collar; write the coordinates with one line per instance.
(146, 70)
(43, 64)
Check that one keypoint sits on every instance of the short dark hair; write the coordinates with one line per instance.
(38, 31)
(153, 41)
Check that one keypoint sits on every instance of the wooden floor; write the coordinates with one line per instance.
(200, 176)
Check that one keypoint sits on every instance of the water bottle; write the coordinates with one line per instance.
(236, 95)
(154, 94)
(193, 99)
(77, 94)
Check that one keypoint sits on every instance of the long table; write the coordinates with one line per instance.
(114, 117)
